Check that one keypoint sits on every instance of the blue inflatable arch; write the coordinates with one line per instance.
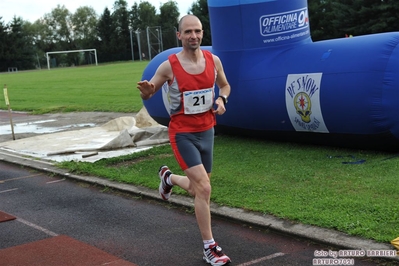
(341, 92)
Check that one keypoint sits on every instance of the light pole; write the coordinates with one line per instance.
(139, 43)
(159, 47)
(131, 44)
(160, 39)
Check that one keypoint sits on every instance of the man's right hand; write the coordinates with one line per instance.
(146, 88)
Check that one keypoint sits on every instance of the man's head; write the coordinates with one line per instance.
(190, 31)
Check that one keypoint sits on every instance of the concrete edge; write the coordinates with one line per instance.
(314, 233)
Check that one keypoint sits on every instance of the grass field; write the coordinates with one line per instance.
(108, 88)
(302, 183)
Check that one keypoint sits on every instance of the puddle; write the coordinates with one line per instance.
(36, 127)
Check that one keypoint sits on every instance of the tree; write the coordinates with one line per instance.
(147, 16)
(3, 45)
(371, 16)
(17, 48)
(169, 20)
(105, 33)
(389, 10)
(135, 21)
(143, 17)
(316, 12)
(84, 22)
(121, 38)
(333, 19)
(60, 25)
(30, 32)
(169, 15)
(134, 27)
(42, 39)
(200, 9)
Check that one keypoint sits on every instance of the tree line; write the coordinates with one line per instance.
(23, 44)
(331, 19)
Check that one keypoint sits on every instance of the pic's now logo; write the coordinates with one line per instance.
(284, 22)
(302, 99)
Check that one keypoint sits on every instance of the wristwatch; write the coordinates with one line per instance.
(224, 98)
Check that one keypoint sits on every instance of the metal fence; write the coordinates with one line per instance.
(153, 40)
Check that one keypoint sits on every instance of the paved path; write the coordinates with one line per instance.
(78, 223)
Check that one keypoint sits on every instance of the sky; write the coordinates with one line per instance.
(32, 10)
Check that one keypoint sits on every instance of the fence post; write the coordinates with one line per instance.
(9, 110)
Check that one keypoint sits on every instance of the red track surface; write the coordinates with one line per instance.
(57, 251)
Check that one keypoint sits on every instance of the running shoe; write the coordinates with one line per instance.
(164, 189)
(215, 257)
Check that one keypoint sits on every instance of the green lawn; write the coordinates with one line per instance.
(108, 88)
(302, 183)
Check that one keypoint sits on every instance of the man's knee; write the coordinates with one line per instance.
(204, 189)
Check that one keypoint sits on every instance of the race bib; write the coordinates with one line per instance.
(198, 101)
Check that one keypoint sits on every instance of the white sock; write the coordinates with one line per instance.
(208, 243)
(169, 180)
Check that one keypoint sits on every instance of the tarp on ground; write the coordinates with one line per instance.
(117, 137)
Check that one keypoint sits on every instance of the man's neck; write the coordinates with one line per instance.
(192, 61)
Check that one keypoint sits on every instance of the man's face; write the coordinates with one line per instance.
(190, 33)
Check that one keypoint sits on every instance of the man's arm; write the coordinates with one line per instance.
(221, 79)
(162, 75)
(223, 84)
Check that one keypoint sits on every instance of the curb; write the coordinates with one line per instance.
(317, 234)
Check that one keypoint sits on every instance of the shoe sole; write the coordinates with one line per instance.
(215, 264)
(161, 192)
(161, 177)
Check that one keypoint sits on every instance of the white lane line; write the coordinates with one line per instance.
(279, 254)
(21, 177)
(44, 230)
(8, 190)
(55, 181)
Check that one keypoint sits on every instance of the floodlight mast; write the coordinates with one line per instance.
(70, 51)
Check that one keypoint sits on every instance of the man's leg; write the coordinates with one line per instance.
(197, 183)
